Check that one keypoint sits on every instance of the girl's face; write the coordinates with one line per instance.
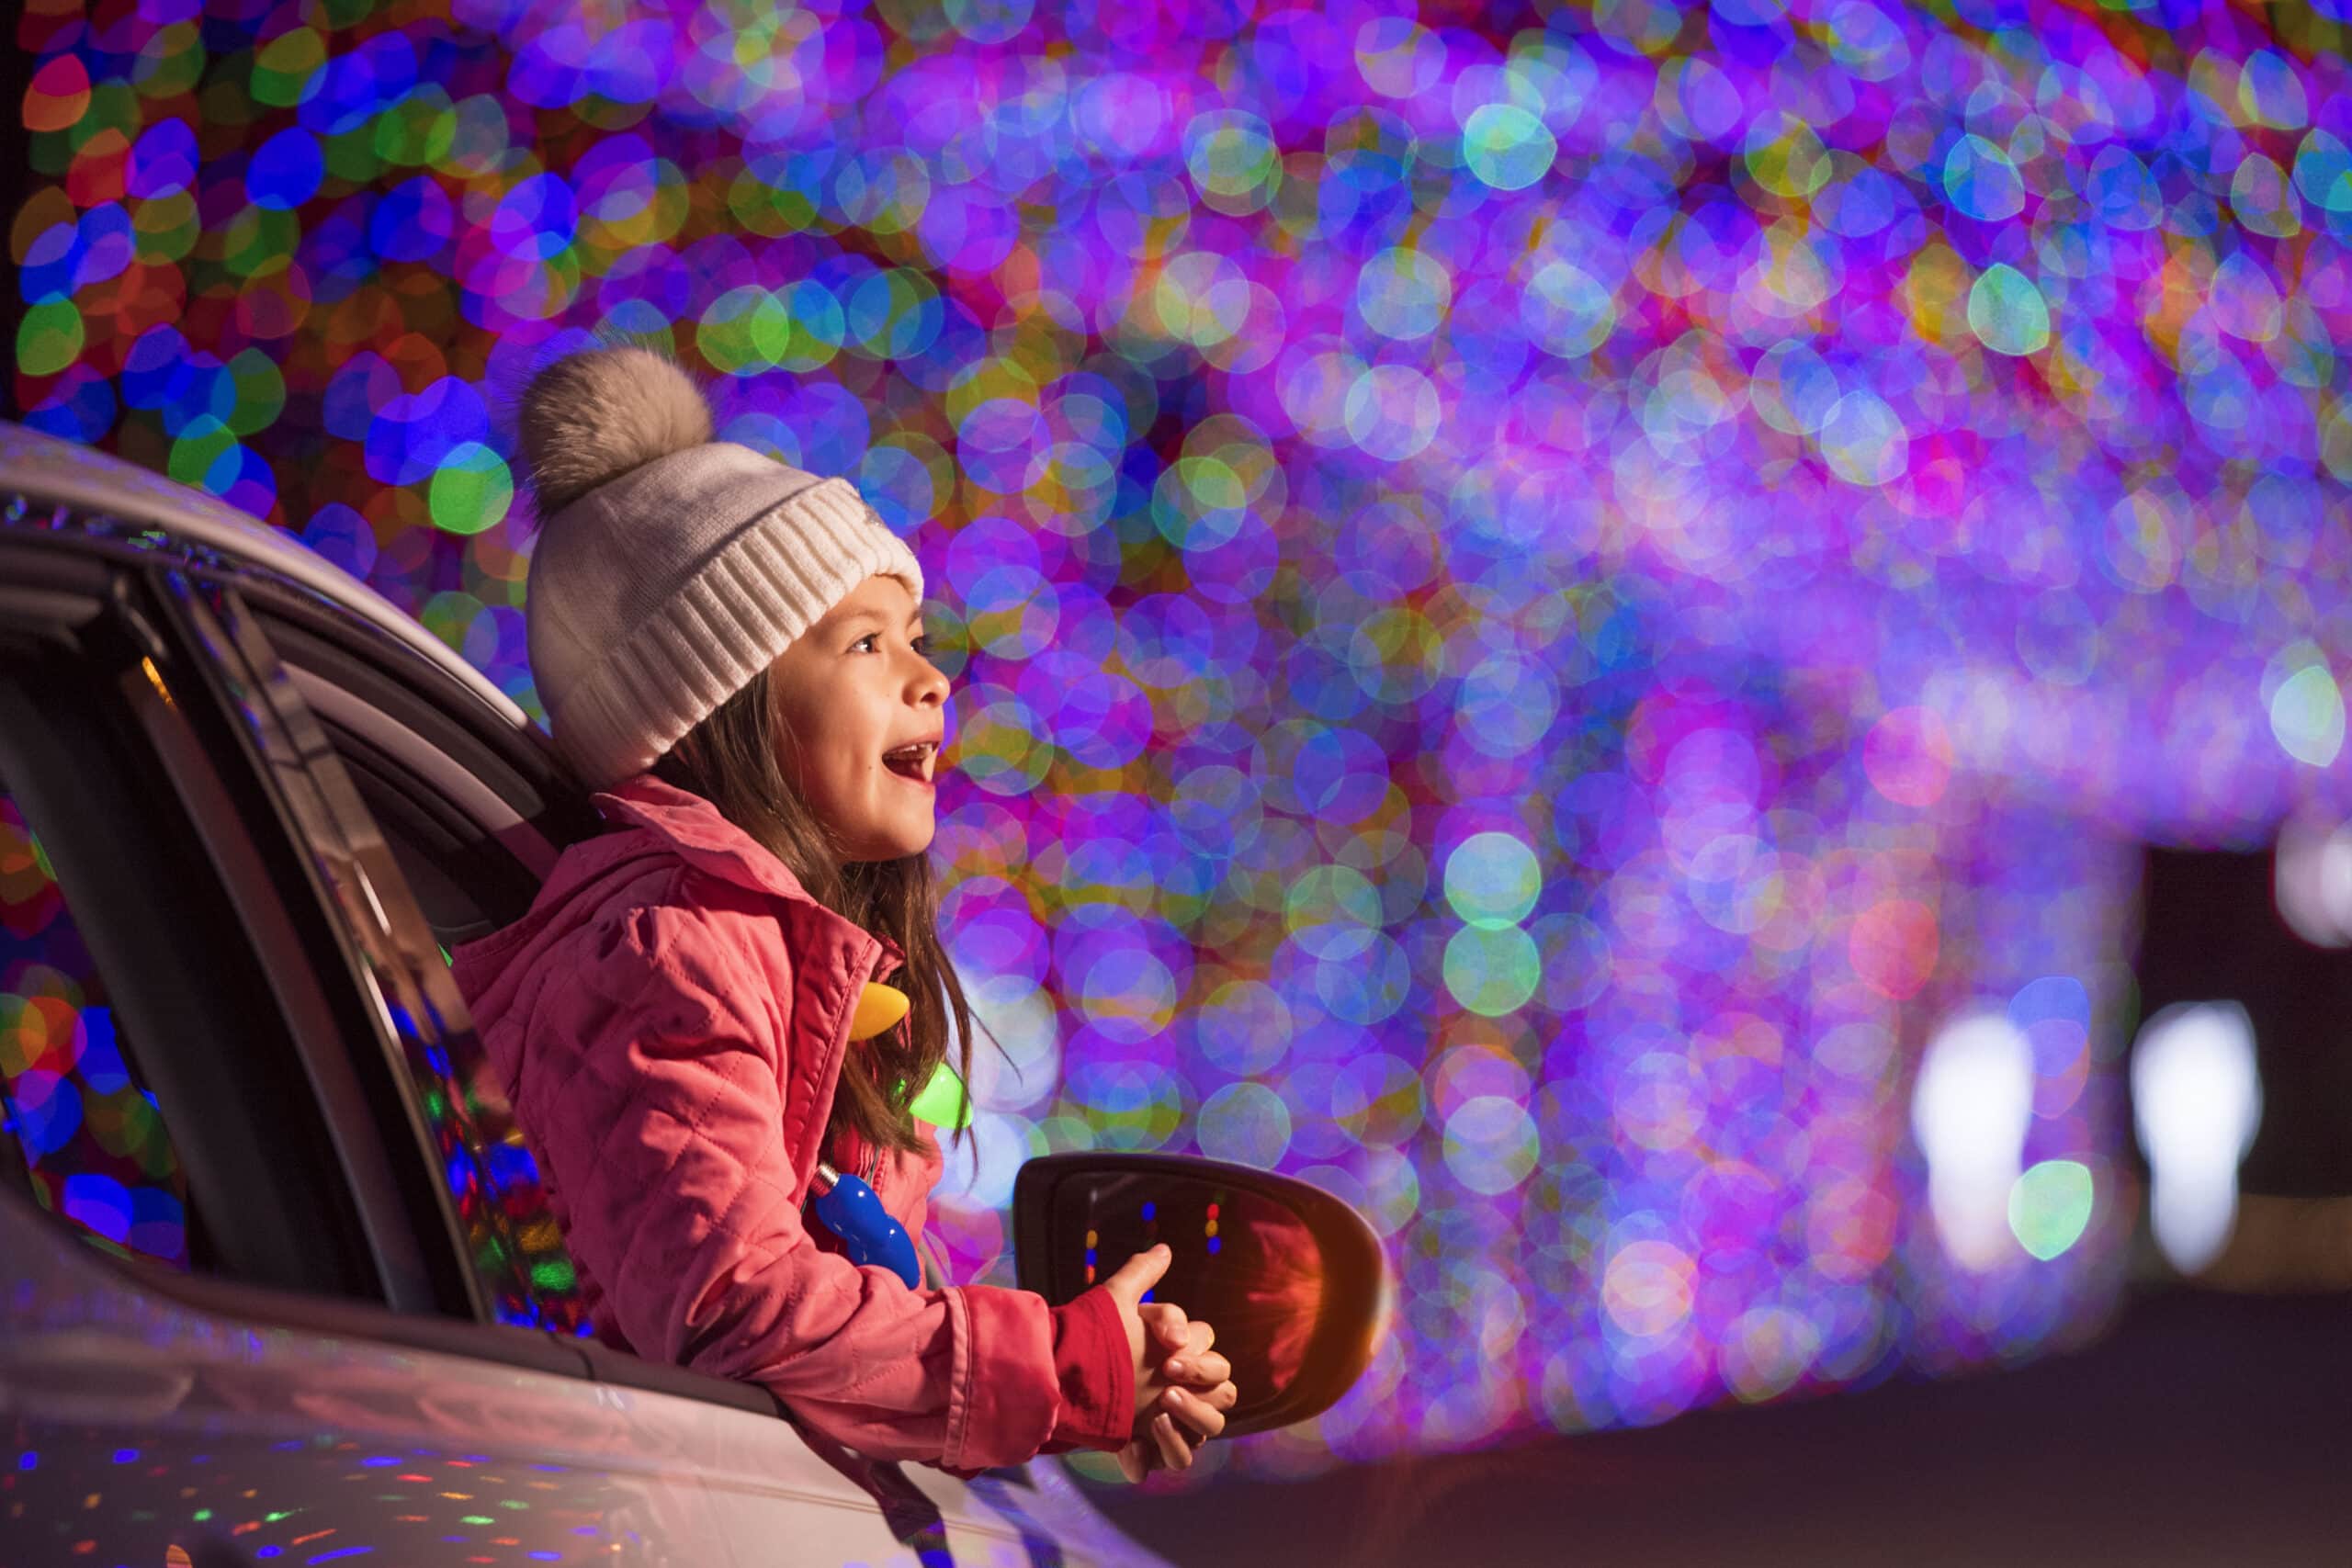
(862, 716)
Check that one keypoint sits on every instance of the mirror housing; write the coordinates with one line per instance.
(1292, 1278)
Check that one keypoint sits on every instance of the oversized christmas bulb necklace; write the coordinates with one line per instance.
(847, 1206)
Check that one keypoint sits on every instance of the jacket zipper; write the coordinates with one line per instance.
(873, 1155)
(868, 1168)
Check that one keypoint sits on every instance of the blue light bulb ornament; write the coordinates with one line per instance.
(852, 1212)
(845, 1204)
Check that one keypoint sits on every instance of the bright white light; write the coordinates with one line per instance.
(2312, 878)
(1010, 1012)
(979, 1173)
(1968, 1111)
(2196, 1100)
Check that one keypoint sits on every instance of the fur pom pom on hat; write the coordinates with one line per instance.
(670, 570)
(591, 417)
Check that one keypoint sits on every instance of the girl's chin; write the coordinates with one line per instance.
(898, 839)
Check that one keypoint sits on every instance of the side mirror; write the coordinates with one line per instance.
(1290, 1277)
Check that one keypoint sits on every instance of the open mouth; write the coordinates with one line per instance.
(912, 762)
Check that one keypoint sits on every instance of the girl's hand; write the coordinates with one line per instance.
(1182, 1387)
(1196, 1390)
(1191, 1362)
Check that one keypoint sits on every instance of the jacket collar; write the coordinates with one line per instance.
(694, 828)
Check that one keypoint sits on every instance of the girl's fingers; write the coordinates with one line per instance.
(1175, 1432)
(1197, 1372)
(1174, 1451)
(1167, 1325)
(1186, 1363)
(1137, 1275)
(1196, 1413)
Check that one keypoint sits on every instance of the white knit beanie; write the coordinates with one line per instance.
(671, 569)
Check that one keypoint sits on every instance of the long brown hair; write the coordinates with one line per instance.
(732, 760)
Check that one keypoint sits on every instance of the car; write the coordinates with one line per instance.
(279, 1279)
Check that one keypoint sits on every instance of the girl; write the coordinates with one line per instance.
(730, 650)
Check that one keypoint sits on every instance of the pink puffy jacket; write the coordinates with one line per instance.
(669, 1019)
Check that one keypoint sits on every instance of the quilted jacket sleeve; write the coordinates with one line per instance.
(652, 1086)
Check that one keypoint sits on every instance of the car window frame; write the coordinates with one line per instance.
(233, 1014)
(86, 567)
(391, 692)
(432, 710)
(414, 1012)
(62, 561)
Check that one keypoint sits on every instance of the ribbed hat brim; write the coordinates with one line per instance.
(617, 702)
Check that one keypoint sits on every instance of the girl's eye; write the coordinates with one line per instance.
(922, 645)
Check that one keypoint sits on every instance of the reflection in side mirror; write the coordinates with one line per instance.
(1290, 1277)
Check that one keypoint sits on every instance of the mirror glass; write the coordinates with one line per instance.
(1242, 1260)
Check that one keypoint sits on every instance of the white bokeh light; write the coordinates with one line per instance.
(2312, 879)
(978, 1170)
(1969, 1110)
(1017, 1048)
(2196, 1100)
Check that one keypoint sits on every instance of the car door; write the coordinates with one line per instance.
(294, 1294)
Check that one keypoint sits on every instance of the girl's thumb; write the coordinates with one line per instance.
(1139, 1273)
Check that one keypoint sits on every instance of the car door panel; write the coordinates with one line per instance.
(221, 1436)
(143, 1426)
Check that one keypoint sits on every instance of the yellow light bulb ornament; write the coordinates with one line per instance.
(943, 1102)
(847, 1204)
(879, 1007)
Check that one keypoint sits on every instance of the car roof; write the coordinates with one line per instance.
(35, 464)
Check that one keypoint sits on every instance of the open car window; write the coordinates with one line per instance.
(150, 1080)
(459, 1144)
(473, 814)
(80, 1130)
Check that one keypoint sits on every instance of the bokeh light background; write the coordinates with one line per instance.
(1538, 593)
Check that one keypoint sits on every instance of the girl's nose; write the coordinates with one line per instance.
(925, 682)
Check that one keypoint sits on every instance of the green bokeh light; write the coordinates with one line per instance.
(1507, 147)
(2006, 313)
(2307, 715)
(2050, 1207)
(1493, 880)
(470, 491)
(1491, 972)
